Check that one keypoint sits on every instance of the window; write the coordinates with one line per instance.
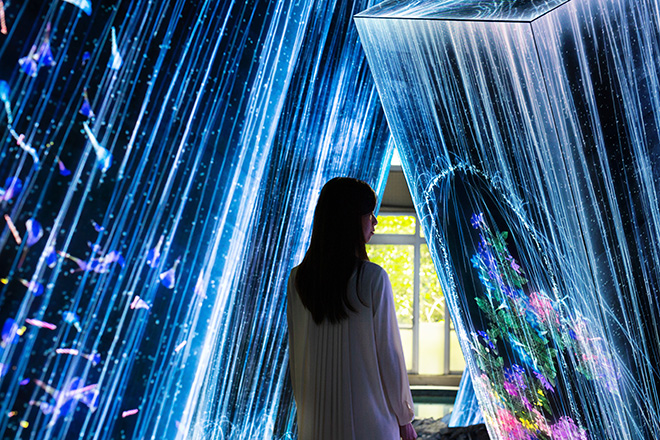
(429, 340)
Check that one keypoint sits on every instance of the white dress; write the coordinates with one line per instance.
(349, 379)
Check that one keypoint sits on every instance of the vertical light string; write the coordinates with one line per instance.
(331, 125)
(158, 165)
(529, 136)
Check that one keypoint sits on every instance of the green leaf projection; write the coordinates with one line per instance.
(533, 328)
(543, 117)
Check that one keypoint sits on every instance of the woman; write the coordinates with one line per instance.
(347, 367)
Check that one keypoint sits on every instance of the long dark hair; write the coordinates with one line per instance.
(337, 248)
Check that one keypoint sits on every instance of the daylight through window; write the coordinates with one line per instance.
(429, 340)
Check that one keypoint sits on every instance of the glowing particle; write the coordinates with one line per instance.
(13, 229)
(129, 412)
(63, 171)
(13, 187)
(51, 256)
(115, 58)
(9, 332)
(179, 347)
(71, 351)
(40, 324)
(72, 319)
(153, 256)
(34, 287)
(24, 382)
(20, 141)
(39, 56)
(34, 231)
(103, 156)
(85, 5)
(3, 23)
(86, 108)
(24, 424)
(4, 97)
(12, 413)
(138, 303)
(168, 278)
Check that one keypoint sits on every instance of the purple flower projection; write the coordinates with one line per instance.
(538, 118)
(533, 328)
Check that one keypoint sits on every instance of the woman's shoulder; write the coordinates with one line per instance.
(372, 269)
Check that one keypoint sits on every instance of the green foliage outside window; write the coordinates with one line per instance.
(396, 224)
(398, 262)
(432, 301)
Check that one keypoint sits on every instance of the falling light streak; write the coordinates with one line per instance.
(3, 23)
(179, 347)
(538, 125)
(94, 358)
(192, 116)
(115, 57)
(20, 141)
(12, 228)
(40, 324)
(103, 156)
(129, 413)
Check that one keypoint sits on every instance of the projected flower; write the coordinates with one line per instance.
(530, 329)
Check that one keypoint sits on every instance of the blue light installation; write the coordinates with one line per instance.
(529, 136)
(331, 125)
(163, 148)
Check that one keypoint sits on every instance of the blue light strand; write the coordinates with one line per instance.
(202, 119)
(102, 421)
(549, 127)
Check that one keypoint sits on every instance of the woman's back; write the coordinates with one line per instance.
(349, 378)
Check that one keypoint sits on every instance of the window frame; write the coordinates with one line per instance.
(416, 240)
